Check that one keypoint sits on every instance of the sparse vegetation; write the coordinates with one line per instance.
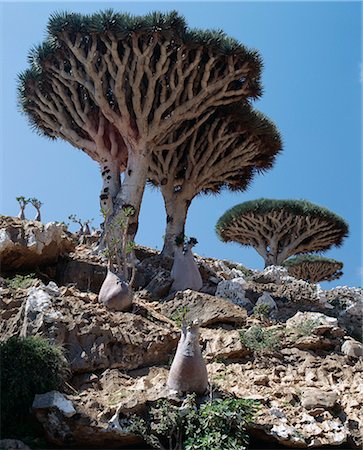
(218, 424)
(304, 328)
(179, 315)
(261, 340)
(29, 366)
(21, 281)
(261, 310)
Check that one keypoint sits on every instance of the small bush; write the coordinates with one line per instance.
(261, 310)
(29, 366)
(21, 281)
(261, 340)
(304, 328)
(219, 424)
(179, 315)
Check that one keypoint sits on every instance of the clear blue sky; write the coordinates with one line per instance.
(312, 90)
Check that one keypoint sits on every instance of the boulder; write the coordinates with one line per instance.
(321, 320)
(207, 309)
(315, 398)
(223, 344)
(54, 399)
(27, 244)
(352, 348)
(234, 290)
(160, 284)
(272, 274)
(267, 300)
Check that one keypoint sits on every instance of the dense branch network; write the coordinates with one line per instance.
(138, 79)
(222, 152)
(313, 268)
(278, 229)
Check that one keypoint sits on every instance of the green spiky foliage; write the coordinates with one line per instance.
(314, 268)
(224, 152)
(278, 229)
(115, 85)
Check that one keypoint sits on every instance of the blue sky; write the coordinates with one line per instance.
(312, 91)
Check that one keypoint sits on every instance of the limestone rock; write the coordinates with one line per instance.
(320, 319)
(234, 291)
(352, 348)
(266, 299)
(28, 244)
(54, 399)
(224, 344)
(272, 274)
(315, 398)
(94, 337)
(160, 284)
(207, 309)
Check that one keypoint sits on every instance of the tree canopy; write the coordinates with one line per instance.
(314, 268)
(224, 152)
(115, 85)
(278, 229)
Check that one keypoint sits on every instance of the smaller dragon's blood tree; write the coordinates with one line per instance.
(314, 268)
(37, 205)
(22, 203)
(278, 229)
(224, 152)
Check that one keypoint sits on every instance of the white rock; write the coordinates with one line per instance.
(54, 399)
(318, 318)
(266, 299)
(352, 348)
(276, 274)
(233, 290)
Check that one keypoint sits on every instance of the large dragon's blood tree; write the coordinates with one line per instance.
(314, 268)
(145, 76)
(278, 229)
(222, 153)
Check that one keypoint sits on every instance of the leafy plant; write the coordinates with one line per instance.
(179, 315)
(218, 424)
(29, 366)
(261, 340)
(261, 310)
(304, 328)
(21, 281)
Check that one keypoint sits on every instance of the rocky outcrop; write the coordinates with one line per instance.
(207, 309)
(26, 244)
(93, 337)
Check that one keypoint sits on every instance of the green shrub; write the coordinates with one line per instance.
(29, 366)
(21, 281)
(261, 310)
(304, 328)
(219, 424)
(179, 315)
(261, 340)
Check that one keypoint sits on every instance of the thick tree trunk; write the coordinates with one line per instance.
(38, 217)
(21, 214)
(176, 214)
(110, 173)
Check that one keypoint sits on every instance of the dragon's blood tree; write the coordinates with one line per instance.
(144, 75)
(222, 153)
(314, 268)
(278, 229)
